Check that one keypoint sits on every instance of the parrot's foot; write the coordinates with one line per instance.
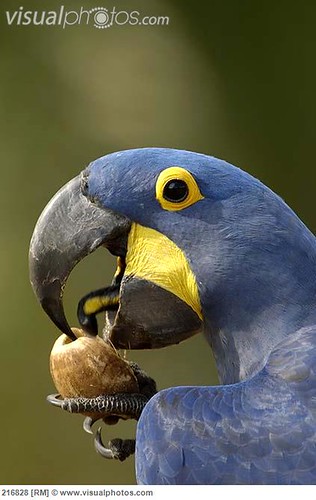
(107, 405)
(119, 449)
(110, 408)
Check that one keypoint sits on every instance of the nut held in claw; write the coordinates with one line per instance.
(88, 367)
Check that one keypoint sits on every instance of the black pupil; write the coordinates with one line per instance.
(175, 191)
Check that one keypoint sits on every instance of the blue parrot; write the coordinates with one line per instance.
(202, 246)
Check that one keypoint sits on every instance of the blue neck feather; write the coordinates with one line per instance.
(265, 260)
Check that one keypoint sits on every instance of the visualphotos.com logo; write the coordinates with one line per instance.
(99, 17)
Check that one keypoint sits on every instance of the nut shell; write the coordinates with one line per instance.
(88, 367)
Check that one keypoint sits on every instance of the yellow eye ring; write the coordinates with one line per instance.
(177, 189)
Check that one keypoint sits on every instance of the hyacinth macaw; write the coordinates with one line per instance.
(202, 246)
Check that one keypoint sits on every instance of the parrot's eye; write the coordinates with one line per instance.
(176, 189)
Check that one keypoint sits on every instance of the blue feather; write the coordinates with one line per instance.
(274, 444)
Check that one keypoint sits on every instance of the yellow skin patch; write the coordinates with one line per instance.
(177, 173)
(95, 304)
(152, 256)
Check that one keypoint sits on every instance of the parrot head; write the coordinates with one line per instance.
(188, 231)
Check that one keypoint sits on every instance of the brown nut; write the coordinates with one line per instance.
(88, 367)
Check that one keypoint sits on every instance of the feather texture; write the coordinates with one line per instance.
(259, 431)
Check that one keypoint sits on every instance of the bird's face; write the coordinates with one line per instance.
(157, 210)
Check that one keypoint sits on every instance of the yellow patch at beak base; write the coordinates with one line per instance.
(154, 257)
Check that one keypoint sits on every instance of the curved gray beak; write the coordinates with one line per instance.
(69, 228)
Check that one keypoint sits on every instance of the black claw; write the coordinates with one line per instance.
(70, 405)
(87, 425)
(100, 448)
(119, 449)
(54, 399)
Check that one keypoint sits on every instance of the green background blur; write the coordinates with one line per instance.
(234, 78)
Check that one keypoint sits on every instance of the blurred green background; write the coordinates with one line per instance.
(234, 78)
